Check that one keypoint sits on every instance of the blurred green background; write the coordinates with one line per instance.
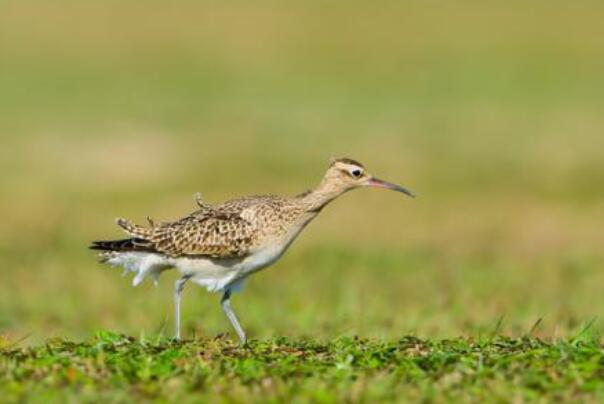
(493, 112)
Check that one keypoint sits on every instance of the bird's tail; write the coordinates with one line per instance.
(138, 241)
(109, 248)
(127, 244)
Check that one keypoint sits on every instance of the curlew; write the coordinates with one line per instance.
(219, 246)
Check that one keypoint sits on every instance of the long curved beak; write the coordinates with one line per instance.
(377, 183)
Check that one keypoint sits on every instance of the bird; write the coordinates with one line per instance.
(219, 246)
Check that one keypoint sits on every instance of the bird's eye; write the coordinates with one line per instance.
(356, 173)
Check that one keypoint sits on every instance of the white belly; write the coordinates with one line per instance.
(214, 274)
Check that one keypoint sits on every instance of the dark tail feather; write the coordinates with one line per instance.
(128, 244)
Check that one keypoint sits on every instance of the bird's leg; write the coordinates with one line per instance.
(179, 285)
(225, 302)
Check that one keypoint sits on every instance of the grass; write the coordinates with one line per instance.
(118, 368)
(490, 112)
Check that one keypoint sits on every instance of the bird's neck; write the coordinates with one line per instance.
(318, 198)
(307, 206)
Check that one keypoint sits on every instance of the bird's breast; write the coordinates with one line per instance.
(273, 245)
(262, 258)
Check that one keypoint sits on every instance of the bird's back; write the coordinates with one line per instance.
(234, 228)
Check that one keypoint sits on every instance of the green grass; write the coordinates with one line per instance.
(122, 369)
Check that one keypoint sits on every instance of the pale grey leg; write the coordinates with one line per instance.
(179, 285)
(225, 302)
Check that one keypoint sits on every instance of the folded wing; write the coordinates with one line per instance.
(207, 232)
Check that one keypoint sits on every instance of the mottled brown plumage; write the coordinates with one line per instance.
(231, 229)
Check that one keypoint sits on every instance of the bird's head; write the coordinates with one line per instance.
(345, 174)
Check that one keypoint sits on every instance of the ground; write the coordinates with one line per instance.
(115, 368)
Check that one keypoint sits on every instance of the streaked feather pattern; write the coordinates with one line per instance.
(229, 230)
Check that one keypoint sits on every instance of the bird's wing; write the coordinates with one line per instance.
(207, 232)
